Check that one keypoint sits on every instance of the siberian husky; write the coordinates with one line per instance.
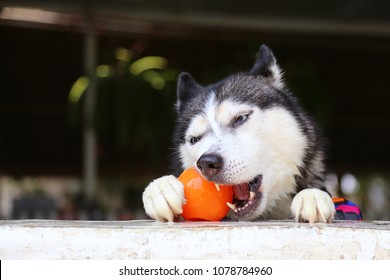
(248, 131)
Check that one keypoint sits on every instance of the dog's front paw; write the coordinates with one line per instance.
(163, 198)
(313, 206)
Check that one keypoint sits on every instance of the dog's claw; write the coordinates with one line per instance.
(313, 206)
(163, 198)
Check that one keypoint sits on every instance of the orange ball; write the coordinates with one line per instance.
(204, 201)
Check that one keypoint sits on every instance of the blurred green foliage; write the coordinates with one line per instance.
(133, 107)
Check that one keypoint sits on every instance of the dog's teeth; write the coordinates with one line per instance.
(251, 195)
(232, 206)
(218, 186)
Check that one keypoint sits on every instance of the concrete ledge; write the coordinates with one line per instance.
(145, 239)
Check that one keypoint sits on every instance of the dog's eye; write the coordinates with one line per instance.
(194, 140)
(240, 119)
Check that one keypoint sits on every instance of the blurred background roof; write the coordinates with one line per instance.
(347, 17)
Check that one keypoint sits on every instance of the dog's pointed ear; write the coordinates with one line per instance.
(187, 87)
(267, 67)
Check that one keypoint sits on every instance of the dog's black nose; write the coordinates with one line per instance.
(209, 164)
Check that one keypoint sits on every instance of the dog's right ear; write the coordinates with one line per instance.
(187, 87)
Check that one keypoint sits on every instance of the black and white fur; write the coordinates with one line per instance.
(250, 132)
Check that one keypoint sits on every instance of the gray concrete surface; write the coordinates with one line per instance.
(145, 239)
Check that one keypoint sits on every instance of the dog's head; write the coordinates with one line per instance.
(243, 131)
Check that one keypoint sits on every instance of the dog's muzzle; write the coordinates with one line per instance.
(247, 195)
